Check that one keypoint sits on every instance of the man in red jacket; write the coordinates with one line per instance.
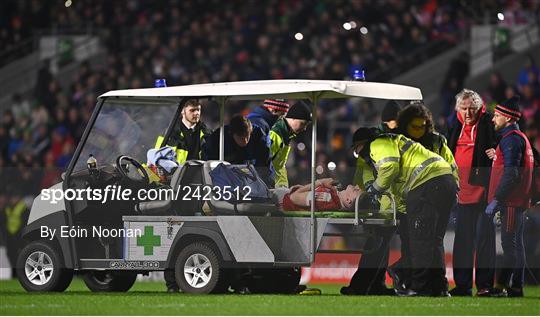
(510, 194)
(469, 138)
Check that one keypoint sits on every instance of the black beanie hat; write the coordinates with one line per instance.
(509, 108)
(390, 111)
(365, 134)
(299, 110)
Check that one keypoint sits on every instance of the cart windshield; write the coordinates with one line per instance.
(126, 127)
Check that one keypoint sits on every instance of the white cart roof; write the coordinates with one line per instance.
(288, 89)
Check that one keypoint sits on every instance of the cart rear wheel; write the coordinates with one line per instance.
(40, 268)
(109, 281)
(198, 270)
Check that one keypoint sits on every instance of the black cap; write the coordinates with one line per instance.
(365, 134)
(390, 111)
(299, 110)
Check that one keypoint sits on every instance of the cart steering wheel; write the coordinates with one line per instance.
(130, 169)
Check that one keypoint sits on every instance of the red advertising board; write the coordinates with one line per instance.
(339, 268)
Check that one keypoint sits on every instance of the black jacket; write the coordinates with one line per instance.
(256, 152)
(263, 118)
(485, 139)
(190, 140)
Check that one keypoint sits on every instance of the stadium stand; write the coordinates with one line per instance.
(228, 41)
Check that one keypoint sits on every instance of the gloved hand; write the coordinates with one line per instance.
(493, 207)
(372, 190)
(374, 195)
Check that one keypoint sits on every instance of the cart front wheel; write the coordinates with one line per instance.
(40, 268)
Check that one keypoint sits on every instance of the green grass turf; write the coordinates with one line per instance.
(149, 298)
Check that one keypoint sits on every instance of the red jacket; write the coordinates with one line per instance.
(464, 153)
(520, 193)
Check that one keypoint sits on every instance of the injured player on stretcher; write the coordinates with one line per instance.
(327, 197)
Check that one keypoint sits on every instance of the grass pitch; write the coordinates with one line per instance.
(149, 298)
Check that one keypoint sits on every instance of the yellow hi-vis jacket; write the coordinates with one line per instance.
(14, 217)
(402, 164)
(181, 151)
(440, 146)
(364, 175)
(280, 136)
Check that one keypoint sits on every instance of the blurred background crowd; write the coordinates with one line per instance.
(191, 42)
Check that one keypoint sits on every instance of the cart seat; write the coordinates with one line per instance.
(184, 176)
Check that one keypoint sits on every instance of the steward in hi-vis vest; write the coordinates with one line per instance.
(188, 135)
(424, 181)
(14, 217)
(187, 139)
(415, 121)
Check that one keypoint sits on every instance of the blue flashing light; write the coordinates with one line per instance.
(359, 75)
(159, 83)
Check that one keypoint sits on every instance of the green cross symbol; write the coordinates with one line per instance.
(148, 240)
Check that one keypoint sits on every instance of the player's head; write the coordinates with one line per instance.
(348, 196)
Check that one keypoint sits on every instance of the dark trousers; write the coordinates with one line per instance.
(402, 267)
(475, 231)
(170, 279)
(428, 211)
(512, 272)
(371, 273)
(14, 244)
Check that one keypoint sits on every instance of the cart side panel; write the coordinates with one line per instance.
(152, 240)
(288, 238)
(297, 233)
(244, 240)
(42, 207)
(204, 230)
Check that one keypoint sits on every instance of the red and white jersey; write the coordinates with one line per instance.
(325, 199)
